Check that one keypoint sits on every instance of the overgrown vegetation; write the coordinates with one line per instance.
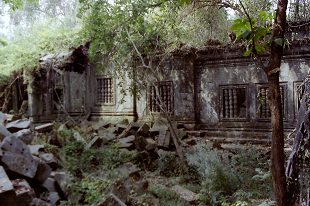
(222, 174)
(215, 175)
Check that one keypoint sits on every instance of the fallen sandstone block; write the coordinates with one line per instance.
(19, 125)
(3, 119)
(49, 185)
(39, 202)
(94, 143)
(164, 139)
(63, 180)
(17, 166)
(43, 171)
(4, 132)
(44, 128)
(187, 195)
(50, 197)
(14, 145)
(36, 149)
(144, 130)
(7, 193)
(25, 135)
(24, 193)
(49, 159)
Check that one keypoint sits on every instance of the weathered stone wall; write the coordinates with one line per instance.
(179, 71)
(114, 110)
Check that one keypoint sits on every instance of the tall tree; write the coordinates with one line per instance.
(253, 33)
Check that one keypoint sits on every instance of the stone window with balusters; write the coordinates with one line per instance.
(166, 94)
(106, 94)
(233, 102)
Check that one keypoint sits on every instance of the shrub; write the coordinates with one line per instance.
(169, 164)
(222, 174)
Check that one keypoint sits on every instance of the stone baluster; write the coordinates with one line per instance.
(235, 103)
(105, 91)
(112, 91)
(231, 107)
(263, 102)
(169, 99)
(226, 106)
(268, 113)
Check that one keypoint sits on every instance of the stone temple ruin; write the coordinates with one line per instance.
(215, 90)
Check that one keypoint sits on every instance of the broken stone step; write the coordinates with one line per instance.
(240, 140)
(196, 133)
(44, 128)
(7, 193)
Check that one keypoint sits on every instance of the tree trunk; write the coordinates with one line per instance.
(277, 146)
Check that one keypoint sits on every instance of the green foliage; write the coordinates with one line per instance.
(79, 159)
(253, 34)
(169, 164)
(27, 45)
(166, 196)
(223, 174)
(89, 191)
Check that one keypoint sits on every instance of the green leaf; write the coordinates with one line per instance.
(259, 33)
(188, 2)
(250, 37)
(270, 17)
(235, 27)
(238, 21)
(248, 25)
(262, 13)
(182, 3)
(279, 41)
(247, 53)
(245, 33)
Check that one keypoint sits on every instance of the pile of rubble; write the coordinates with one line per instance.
(29, 176)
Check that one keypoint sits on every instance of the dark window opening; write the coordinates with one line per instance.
(57, 98)
(234, 103)
(166, 94)
(264, 108)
